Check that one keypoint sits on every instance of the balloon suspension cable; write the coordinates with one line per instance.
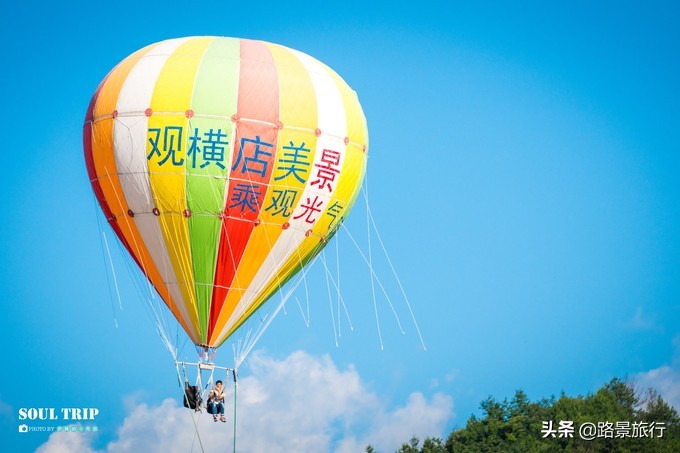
(330, 300)
(206, 355)
(185, 387)
(394, 271)
(370, 266)
(145, 290)
(153, 305)
(203, 366)
(240, 355)
(205, 363)
(341, 302)
(337, 284)
(235, 399)
(102, 241)
(375, 276)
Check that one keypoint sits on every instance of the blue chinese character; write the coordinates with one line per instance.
(172, 144)
(252, 163)
(282, 202)
(154, 143)
(213, 148)
(194, 148)
(245, 196)
(295, 161)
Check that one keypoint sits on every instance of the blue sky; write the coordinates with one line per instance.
(536, 232)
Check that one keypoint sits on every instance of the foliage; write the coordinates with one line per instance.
(616, 412)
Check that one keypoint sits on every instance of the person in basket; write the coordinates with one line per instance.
(216, 401)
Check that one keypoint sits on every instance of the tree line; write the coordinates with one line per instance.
(615, 418)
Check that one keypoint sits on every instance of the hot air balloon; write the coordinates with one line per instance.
(223, 166)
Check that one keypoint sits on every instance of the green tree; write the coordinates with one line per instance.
(410, 447)
(430, 445)
(519, 425)
(524, 426)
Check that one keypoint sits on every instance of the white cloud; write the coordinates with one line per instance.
(448, 378)
(6, 415)
(67, 443)
(391, 429)
(642, 321)
(301, 403)
(665, 379)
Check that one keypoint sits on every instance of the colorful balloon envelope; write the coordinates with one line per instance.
(223, 165)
